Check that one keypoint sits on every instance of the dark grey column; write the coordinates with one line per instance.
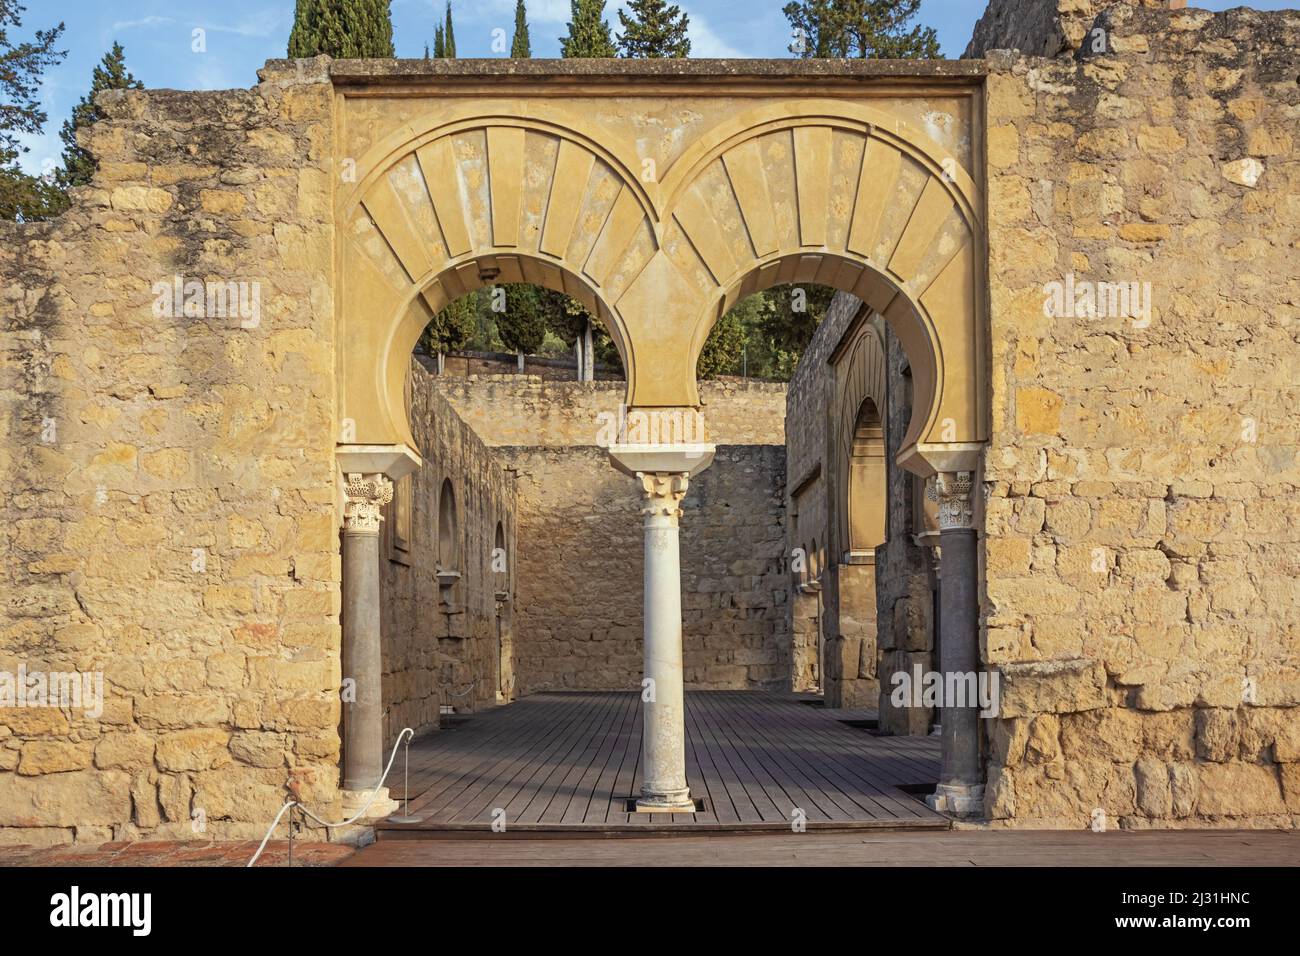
(960, 788)
(363, 758)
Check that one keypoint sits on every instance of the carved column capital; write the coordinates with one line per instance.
(364, 499)
(952, 491)
(663, 492)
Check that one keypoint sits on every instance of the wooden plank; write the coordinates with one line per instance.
(569, 761)
(594, 786)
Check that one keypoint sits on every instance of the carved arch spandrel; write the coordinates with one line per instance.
(795, 191)
(851, 197)
(480, 199)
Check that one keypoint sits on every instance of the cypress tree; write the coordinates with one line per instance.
(343, 29)
(528, 314)
(110, 74)
(439, 43)
(449, 37)
(588, 32)
(655, 29)
(520, 47)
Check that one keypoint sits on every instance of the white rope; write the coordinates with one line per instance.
(406, 731)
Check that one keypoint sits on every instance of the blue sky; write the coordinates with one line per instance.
(242, 34)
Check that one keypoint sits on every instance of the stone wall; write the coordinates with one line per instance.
(551, 369)
(1142, 520)
(169, 518)
(579, 577)
(526, 410)
(1042, 27)
(834, 615)
(441, 643)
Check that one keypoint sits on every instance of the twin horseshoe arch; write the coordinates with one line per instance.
(802, 190)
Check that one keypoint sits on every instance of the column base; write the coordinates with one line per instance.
(675, 801)
(381, 806)
(957, 799)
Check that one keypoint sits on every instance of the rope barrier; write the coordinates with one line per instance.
(406, 734)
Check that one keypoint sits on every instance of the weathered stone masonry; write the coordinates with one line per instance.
(1143, 590)
(170, 512)
(172, 505)
(446, 644)
(578, 609)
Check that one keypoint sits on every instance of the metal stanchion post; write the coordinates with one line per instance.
(405, 815)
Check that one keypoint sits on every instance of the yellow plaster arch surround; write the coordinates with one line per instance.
(825, 191)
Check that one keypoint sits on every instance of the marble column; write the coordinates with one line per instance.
(363, 756)
(664, 473)
(960, 790)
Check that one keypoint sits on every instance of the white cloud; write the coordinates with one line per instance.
(705, 43)
(121, 25)
(263, 23)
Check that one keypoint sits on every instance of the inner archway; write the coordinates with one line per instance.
(659, 239)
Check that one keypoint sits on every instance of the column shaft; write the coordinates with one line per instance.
(362, 661)
(960, 789)
(663, 747)
(362, 656)
(959, 654)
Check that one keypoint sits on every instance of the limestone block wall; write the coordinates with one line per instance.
(445, 646)
(806, 520)
(1142, 520)
(169, 518)
(577, 610)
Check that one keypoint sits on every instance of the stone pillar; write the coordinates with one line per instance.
(664, 473)
(960, 790)
(363, 733)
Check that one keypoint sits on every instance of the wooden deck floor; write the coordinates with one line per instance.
(569, 762)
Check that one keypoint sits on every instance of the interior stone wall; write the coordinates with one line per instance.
(1142, 521)
(834, 603)
(906, 584)
(579, 583)
(441, 644)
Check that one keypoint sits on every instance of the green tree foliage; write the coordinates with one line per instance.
(110, 74)
(765, 334)
(22, 196)
(524, 314)
(588, 32)
(456, 326)
(521, 47)
(723, 348)
(343, 29)
(444, 39)
(860, 29)
(448, 36)
(655, 29)
(566, 317)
